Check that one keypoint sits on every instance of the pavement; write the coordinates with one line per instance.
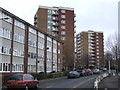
(112, 82)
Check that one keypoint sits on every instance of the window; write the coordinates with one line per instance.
(18, 38)
(97, 56)
(32, 43)
(40, 45)
(59, 51)
(96, 36)
(7, 16)
(97, 46)
(62, 27)
(28, 54)
(5, 66)
(29, 77)
(49, 12)
(63, 16)
(55, 12)
(19, 24)
(97, 53)
(97, 39)
(32, 30)
(49, 17)
(62, 38)
(97, 43)
(18, 53)
(41, 35)
(31, 55)
(63, 21)
(62, 11)
(63, 32)
(5, 33)
(5, 50)
(97, 49)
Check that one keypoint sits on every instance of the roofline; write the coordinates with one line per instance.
(56, 8)
(26, 23)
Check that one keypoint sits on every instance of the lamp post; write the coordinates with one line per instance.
(109, 64)
(5, 18)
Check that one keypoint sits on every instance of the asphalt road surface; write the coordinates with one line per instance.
(86, 82)
(64, 83)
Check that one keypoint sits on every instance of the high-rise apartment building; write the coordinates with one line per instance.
(59, 21)
(90, 49)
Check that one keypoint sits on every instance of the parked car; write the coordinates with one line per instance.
(87, 72)
(73, 74)
(96, 71)
(104, 69)
(22, 81)
(81, 72)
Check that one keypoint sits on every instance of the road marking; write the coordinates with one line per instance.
(49, 87)
(83, 82)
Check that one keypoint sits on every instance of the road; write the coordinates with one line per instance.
(82, 82)
(70, 84)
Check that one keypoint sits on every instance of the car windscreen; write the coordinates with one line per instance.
(16, 77)
(72, 72)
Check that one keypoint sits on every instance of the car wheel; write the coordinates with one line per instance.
(26, 87)
(37, 86)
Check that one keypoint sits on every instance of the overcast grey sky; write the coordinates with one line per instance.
(97, 15)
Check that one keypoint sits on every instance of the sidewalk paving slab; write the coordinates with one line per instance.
(110, 83)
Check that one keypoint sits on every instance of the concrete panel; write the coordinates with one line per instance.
(6, 42)
(5, 58)
(31, 61)
(18, 60)
(18, 46)
(19, 30)
(32, 49)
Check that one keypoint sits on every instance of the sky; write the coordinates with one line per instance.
(97, 15)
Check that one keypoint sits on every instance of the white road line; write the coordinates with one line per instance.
(49, 86)
(82, 83)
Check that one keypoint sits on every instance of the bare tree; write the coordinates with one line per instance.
(112, 47)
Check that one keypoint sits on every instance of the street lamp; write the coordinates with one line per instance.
(109, 65)
(4, 18)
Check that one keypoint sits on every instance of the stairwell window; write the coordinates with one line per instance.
(62, 11)
(63, 27)
(63, 16)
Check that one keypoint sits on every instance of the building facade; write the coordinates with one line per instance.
(25, 48)
(59, 22)
(90, 49)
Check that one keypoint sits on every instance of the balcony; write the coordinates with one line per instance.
(55, 24)
(55, 18)
(92, 55)
(91, 65)
(92, 61)
(74, 15)
(55, 13)
(55, 29)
